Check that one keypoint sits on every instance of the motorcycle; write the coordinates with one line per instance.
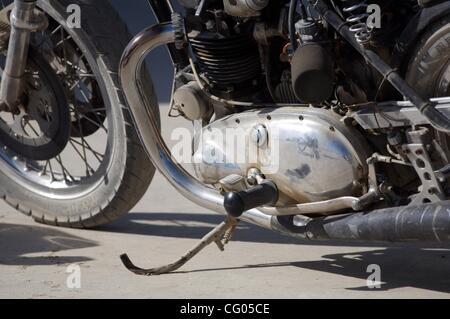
(343, 107)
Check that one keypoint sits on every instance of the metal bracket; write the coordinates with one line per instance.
(396, 114)
(416, 151)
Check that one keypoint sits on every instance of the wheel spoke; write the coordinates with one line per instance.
(51, 170)
(85, 106)
(83, 142)
(96, 110)
(82, 92)
(89, 169)
(98, 155)
(65, 172)
(63, 39)
(73, 86)
(99, 125)
(44, 169)
(86, 75)
(32, 128)
(58, 28)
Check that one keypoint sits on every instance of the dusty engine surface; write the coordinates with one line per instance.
(308, 153)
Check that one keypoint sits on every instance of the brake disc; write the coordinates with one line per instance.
(41, 130)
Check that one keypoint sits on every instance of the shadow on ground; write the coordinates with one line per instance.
(188, 226)
(400, 267)
(17, 241)
(195, 226)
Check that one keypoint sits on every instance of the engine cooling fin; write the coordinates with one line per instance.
(284, 93)
(226, 61)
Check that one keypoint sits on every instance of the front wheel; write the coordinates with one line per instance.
(72, 156)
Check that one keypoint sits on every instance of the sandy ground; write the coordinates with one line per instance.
(257, 264)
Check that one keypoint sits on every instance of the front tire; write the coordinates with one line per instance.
(126, 172)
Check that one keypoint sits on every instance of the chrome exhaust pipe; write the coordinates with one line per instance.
(130, 71)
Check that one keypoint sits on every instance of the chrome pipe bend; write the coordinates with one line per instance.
(130, 71)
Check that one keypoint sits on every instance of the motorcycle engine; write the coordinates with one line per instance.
(241, 50)
(225, 51)
(308, 153)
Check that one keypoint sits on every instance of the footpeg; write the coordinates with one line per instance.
(264, 194)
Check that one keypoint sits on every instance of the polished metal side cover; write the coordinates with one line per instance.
(309, 153)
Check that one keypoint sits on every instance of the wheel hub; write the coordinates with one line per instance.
(41, 130)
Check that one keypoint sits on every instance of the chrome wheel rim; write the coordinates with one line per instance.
(59, 177)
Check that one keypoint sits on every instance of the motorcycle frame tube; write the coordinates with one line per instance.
(130, 74)
(437, 119)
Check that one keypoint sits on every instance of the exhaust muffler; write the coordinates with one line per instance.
(425, 223)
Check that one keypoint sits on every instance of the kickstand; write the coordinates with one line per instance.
(220, 235)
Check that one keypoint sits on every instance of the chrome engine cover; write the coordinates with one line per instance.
(309, 153)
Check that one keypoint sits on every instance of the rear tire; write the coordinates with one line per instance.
(429, 70)
(127, 176)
